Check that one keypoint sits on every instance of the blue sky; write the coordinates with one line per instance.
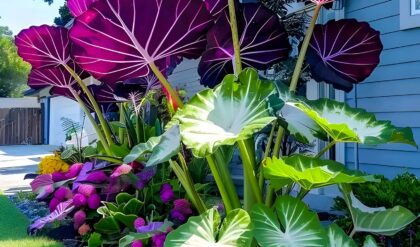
(20, 14)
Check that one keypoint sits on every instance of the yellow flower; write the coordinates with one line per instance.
(52, 163)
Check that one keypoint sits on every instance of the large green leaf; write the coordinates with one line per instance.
(370, 242)
(292, 225)
(346, 124)
(160, 148)
(233, 111)
(338, 238)
(310, 172)
(376, 220)
(206, 230)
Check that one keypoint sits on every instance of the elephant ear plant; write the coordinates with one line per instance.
(124, 43)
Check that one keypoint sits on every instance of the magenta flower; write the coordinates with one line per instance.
(137, 243)
(121, 170)
(63, 193)
(166, 193)
(86, 190)
(79, 200)
(96, 177)
(58, 177)
(53, 204)
(94, 201)
(181, 211)
(74, 170)
(139, 222)
(158, 240)
(79, 219)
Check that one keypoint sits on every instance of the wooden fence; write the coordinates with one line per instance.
(20, 126)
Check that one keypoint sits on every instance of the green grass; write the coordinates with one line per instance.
(13, 225)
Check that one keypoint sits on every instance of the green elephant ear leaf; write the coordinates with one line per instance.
(233, 111)
(292, 225)
(206, 230)
(157, 149)
(346, 124)
(383, 221)
(338, 238)
(310, 172)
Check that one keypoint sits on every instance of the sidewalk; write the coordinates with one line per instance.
(16, 161)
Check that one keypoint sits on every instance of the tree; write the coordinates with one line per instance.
(13, 70)
(65, 16)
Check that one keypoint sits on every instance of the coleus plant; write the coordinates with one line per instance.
(118, 40)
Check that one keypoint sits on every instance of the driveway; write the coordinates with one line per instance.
(16, 161)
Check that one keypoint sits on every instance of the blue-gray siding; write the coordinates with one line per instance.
(392, 92)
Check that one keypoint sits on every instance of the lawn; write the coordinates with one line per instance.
(13, 226)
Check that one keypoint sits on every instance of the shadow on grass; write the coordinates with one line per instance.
(13, 225)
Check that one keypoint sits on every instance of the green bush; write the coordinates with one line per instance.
(403, 190)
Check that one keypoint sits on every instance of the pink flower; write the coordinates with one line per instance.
(53, 204)
(79, 219)
(158, 240)
(84, 229)
(181, 211)
(79, 200)
(121, 170)
(137, 243)
(94, 201)
(166, 193)
(86, 190)
(96, 177)
(63, 193)
(139, 222)
(58, 177)
(74, 170)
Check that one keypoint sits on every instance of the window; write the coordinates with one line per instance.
(409, 14)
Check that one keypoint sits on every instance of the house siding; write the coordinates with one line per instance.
(392, 92)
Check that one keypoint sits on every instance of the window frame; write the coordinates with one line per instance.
(408, 20)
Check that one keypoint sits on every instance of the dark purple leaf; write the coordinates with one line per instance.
(44, 46)
(115, 40)
(56, 77)
(263, 41)
(61, 211)
(78, 7)
(148, 82)
(344, 52)
(216, 7)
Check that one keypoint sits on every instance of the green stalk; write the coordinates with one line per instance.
(166, 85)
(188, 185)
(304, 49)
(104, 123)
(325, 149)
(93, 122)
(235, 37)
(122, 121)
(219, 182)
(276, 152)
(254, 195)
(266, 154)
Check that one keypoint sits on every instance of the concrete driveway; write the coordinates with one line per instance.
(16, 161)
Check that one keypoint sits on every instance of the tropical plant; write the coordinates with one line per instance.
(119, 41)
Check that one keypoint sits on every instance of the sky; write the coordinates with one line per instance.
(20, 14)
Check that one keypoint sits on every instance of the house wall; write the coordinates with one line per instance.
(392, 92)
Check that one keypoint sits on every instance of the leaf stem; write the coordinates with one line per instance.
(276, 153)
(302, 193)
(325, 149)
(304, 49)
(103, 122)
(93, 122)
(248, 160)
(166, 84)
(352, 232)
(266, 154)
(219, 182)
(235, 37)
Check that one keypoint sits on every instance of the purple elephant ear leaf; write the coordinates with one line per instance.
(216, 7)
(152, 227)
(344, 52)
(114, 46)
(61, 211)
(84, 173)
(263, 42)
(44, 46)
(78, 7)
(56, 77)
